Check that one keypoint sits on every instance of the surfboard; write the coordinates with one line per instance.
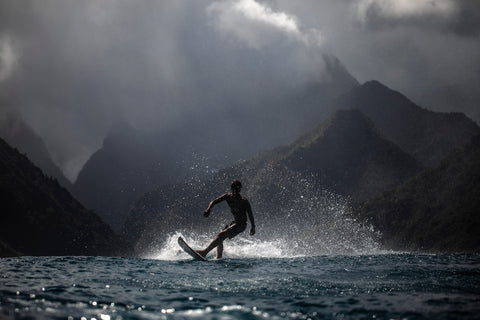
(189, 250)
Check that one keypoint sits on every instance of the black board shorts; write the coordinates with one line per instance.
(234, 228)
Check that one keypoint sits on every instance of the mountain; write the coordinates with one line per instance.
(348, 155)
(19, 134)
(427, 135)
(437, 211)
(39, 217)
(345, 156)
(129, 164)
(132, 162)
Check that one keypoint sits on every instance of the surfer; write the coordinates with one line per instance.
(240, 208)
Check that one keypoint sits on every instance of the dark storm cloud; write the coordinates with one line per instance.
(427, 49)
(460, 17)
(467, 22)
(74, 68)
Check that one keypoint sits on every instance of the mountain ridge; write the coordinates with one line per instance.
(15, 131)
(427, 135)
(40, 217)
(438, 210)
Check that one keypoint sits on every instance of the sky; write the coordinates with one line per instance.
(72, 69)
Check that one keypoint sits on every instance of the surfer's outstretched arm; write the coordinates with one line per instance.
(206, 213)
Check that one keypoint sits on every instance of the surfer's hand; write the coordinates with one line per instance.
(206, 213)
(252, 231)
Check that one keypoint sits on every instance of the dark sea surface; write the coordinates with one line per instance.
(366, 286)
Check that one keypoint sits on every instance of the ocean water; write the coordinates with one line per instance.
(253, 281)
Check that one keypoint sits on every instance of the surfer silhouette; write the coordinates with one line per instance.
(240, 208)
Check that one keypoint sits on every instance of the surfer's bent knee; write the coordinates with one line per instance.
(223, 235)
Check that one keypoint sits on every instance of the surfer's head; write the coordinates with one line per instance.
(236, 186)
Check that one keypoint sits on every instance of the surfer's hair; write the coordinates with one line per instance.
(236, 184)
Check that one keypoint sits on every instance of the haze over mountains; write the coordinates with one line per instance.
(158, 64)
(132, 161)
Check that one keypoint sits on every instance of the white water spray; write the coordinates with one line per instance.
(314, 222)
(239, 247)
(336, 236)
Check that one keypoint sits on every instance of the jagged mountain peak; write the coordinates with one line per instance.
(344, 121)
(426, 135)
(346, 146)
(346, 153)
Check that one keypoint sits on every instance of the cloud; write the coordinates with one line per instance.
(88, 65)
(74, 68)
(258, 25)
(402, 9)
(258, 12)
(467, 23)
(427, 50)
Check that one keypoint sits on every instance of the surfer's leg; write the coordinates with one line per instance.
(220, 250)
(230, 231)
(215, 243)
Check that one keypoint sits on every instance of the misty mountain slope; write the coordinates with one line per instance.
(18, 134)
(344, 155)
(39, 217)
(220, 130)
(428, 136)
(347, 155)
(439, 210)
(129, 164)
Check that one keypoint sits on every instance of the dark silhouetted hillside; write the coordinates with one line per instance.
(19, 135)
(349, 156)
(426, 135)
(437, 211)
(39, 217)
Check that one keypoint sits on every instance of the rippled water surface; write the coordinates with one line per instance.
(383, 286)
